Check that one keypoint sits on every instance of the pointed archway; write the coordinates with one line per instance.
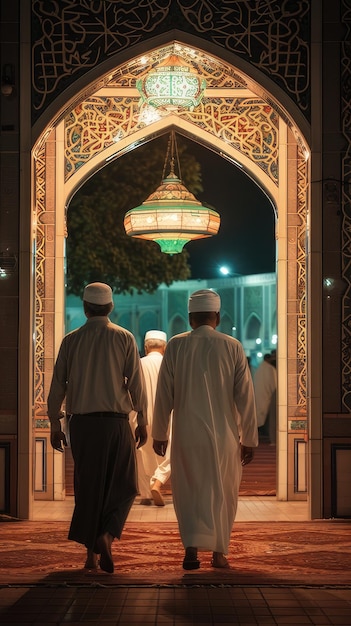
(241, 122)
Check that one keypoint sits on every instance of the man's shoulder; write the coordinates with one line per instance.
(228, 339)
(120, 331)
(179, 338)
(73, 333)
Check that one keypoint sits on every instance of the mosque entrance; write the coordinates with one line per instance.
(237, 122)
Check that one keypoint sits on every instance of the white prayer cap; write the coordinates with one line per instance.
(98, 293)
(204, 300)
(156, 334)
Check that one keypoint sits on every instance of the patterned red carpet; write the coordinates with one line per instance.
(301, 553)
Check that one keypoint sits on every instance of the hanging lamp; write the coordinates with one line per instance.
(171, 215)
(171, 86)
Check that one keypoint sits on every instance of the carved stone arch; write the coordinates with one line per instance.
(287, 193)
(252, 329)
(177, 324)
(148, 320)
(226, 324)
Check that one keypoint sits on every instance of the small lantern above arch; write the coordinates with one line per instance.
(172, 85)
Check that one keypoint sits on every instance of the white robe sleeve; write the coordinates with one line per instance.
(244, 399)
(164, 400)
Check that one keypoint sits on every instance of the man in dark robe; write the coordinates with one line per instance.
(99, 374)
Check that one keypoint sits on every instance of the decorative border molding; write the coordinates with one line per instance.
(40, 255)
(302, 184)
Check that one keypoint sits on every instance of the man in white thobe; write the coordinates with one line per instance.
(265, 386)
(205, 379)
(153, 471)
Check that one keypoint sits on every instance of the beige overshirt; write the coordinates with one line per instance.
(97, 369)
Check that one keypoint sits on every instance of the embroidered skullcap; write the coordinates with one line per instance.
(98, 293)
(204, 300)
(156, 334)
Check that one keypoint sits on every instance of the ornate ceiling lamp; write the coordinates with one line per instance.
(171, 215)
(171, 86)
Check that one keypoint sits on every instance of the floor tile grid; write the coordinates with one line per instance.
(224, 605)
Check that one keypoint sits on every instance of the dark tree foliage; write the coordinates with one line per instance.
(98, 248)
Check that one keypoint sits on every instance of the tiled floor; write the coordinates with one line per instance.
(176, 605)
(215, 605)
(250, 509)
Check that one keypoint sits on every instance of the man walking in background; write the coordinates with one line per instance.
(153, 472)
(265, 386)
(99, 373)
(205, 379)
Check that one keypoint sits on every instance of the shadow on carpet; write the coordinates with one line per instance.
(300, 553)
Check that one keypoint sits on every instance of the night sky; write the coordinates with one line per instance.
(246, 240)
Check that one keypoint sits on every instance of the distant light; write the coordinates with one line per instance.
(233, 327)
(328, 282)
(274, 339)
(258, 341)
(8, 263)
(259, 354)
(224, 270)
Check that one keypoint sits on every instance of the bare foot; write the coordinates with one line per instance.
(104, 543)
(156, 493)
(219, 560)
(92, 560)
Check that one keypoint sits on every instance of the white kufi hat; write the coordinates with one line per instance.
(204, 300)
(156, 334)
(98, 293)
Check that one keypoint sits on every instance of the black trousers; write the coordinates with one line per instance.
(105, 477)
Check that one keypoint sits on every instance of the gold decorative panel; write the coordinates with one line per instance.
(301, 283)
(247, 124)
(39, 356)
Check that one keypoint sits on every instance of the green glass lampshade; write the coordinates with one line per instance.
(172, 217)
